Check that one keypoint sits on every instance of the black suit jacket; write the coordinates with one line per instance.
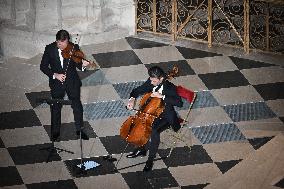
(51, 64)
(171, 99)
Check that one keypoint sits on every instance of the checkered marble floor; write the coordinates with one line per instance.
(234, 138)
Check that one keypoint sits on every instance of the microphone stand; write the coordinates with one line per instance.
(52, 149)
(84, 166)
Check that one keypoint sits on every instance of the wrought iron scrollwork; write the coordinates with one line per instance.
(164, 16)
(258, 12)
(144, 15)
(253, 24)
(276, 28)
(228, 22)
(196, 26)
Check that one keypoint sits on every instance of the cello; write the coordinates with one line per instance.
(137, 129)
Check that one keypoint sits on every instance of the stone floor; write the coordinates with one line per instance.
(234, 138)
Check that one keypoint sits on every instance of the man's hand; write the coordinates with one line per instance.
(60, 77)
(157, 95)
(85, 63)
(130, 104)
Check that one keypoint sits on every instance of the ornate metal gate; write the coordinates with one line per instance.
(248, 24)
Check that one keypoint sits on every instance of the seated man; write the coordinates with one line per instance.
(160, 88)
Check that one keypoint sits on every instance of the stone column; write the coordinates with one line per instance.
(48, 15)
(25, 13)
(6, 7)
(119, 13)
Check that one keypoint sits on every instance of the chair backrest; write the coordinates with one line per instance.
(186, 94)
(189, 96)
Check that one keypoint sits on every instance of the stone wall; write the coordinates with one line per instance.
(28, 25)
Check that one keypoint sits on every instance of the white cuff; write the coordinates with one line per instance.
(53, 77)
(164, 96)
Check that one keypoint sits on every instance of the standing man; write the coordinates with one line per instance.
(165, 90)
(63, 78)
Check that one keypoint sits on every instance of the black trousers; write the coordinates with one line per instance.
(152, 145)
(73, 95)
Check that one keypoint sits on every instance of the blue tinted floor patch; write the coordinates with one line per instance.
(249, 111)
(124, 89)
(103, 110)
(97, 78)
(218, 133)
(204, 99)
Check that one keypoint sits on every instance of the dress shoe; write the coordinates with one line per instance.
(137, 153)
(83, 134)
(148, 166)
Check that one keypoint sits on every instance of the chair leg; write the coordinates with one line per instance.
(190, 139)
(181, 137)
(171, 150)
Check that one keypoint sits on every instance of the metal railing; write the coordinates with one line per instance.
(247, 24)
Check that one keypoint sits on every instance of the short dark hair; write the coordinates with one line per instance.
(62, 35)
(156, 72)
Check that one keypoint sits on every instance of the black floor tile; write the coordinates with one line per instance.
(117, 59)
(271, 91)
(136, 43)
(224, 79)
(19, 119)
(10, 176)
(183, 67)
(224, 166)
(60, 184)
(242, 63)
(188, 53)
(182, 156)
(32, 154)
(116, 145)
(158, 178)
(1, 143)
(249, 111)
(68, 131)
(198, 186)
(105, 167)
(36, 98)
(259, 142)
(280, 184)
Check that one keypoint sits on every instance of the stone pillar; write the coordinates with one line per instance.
(48, 15)
(25, 13)
(83, 17)
(74, 15)
(94, 16)
(28, 25)
(6, 7)
(118, 13)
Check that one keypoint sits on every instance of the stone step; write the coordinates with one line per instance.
(261, 169)
(25, 44)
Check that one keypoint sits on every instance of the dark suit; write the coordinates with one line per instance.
(51, 64)
(168, 117)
